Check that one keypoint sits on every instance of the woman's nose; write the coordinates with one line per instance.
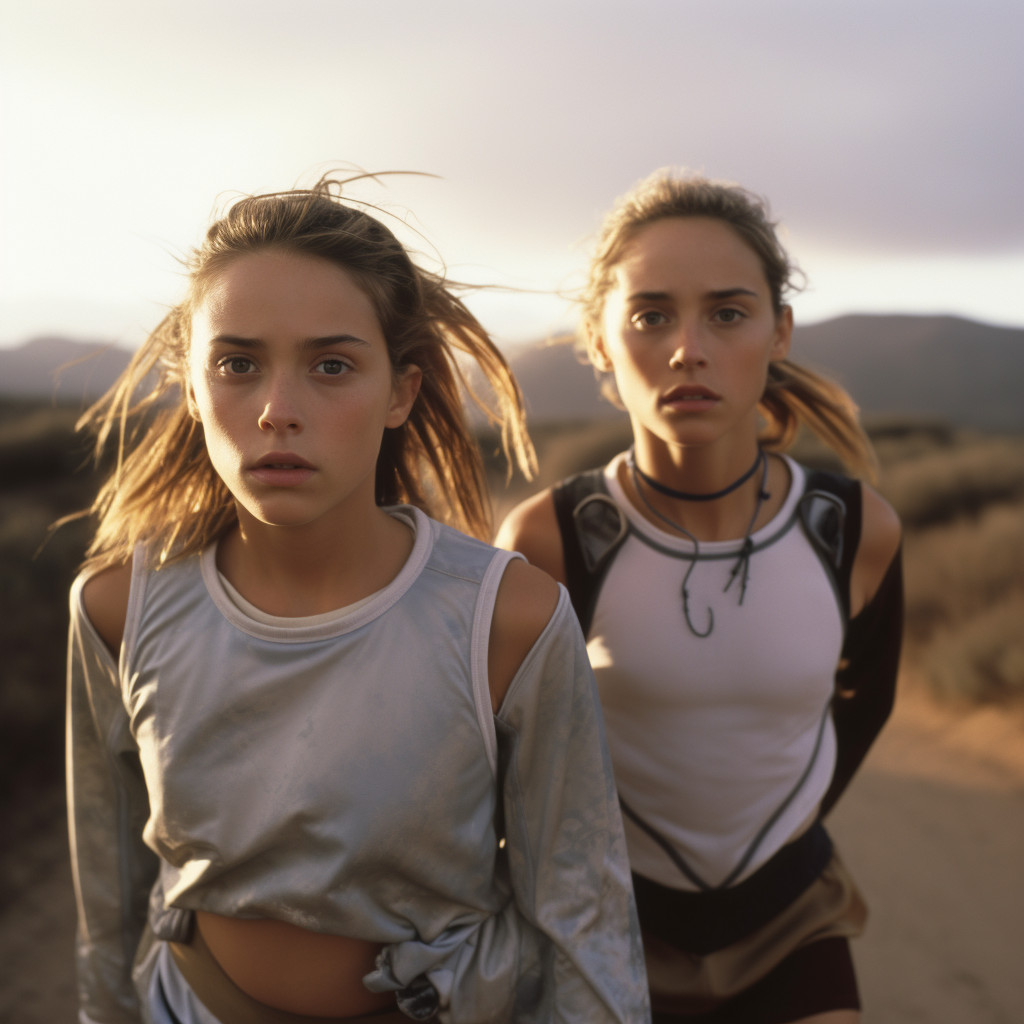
(282, 411)
(689, 351)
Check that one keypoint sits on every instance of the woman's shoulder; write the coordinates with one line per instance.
(105, 596)
(880, 538)
(531, 528)
(526, 600)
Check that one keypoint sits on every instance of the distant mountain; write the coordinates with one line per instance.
(556, 384)
(940, 367)
(72, 371)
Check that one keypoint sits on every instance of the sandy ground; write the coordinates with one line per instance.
(932, 828)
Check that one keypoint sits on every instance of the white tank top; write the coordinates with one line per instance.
(722, 744)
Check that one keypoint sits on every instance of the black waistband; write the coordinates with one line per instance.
(703, 922)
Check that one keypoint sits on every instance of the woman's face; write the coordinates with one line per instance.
(292, 382)
(688, 329)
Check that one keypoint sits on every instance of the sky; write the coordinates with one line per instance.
(886, 134)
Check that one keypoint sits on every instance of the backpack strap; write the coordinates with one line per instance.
(593, 528)
(830, 514)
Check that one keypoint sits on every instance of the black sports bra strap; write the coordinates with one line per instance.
(592, 528)
(592, 532)
(830, 513)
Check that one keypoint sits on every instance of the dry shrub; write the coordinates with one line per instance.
(961, 480)
(965, 604)
(981, 659)
(953, 571)
(39, 454)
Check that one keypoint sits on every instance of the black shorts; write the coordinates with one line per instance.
(813, 979)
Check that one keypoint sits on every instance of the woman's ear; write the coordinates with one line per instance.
(404, 389)
(783, 334)
(596, 351)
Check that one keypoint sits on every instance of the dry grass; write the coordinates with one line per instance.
(965, 604)
(963, 567)
(957, 481)
(980, 658)
(39, 481)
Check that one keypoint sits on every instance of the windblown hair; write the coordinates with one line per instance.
(793, 394)
(164, 489)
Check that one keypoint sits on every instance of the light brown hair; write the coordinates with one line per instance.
(164, 489)
(793, 394)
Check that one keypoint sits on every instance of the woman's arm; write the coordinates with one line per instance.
(866, 678)
(105, 599)
(531, 528)
(107, 806)
(566, 849)
(880, 536)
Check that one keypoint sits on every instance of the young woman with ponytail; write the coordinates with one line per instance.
(329, 759)
(743, 614)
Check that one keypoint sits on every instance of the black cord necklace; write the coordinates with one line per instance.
(671, 492)
(742, 566)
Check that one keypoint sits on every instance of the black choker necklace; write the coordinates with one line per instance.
(670, 492)
(742, 567)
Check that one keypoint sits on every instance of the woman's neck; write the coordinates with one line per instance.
(316, 567)
(701, 470)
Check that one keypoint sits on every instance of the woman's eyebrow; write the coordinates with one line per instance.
(333, 339)
(233, 339)
(722, 293)
(309, 343)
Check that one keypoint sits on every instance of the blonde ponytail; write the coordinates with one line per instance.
(795, 395)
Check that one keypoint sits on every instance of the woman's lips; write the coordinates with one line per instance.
(690, 399)
(282, 469)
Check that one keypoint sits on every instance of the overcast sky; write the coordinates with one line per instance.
(887, 136)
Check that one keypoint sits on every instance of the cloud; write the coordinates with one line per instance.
(888, 128)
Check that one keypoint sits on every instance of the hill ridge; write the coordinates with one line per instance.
(945, 367)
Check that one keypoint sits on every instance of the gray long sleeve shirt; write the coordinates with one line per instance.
(350, 778)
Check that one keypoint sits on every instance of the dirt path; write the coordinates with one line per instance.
(933, 829)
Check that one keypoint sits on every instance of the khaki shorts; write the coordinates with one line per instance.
(684, 983)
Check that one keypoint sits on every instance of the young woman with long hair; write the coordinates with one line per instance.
(329, 759)
(743, 614)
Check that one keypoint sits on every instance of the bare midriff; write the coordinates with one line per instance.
(293, 969)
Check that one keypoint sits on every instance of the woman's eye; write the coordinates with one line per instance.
(332, 367)
(238, 365)
(729, 316)
(649, 318)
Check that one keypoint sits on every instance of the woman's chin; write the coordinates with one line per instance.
(689, 434)
(283, 513)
